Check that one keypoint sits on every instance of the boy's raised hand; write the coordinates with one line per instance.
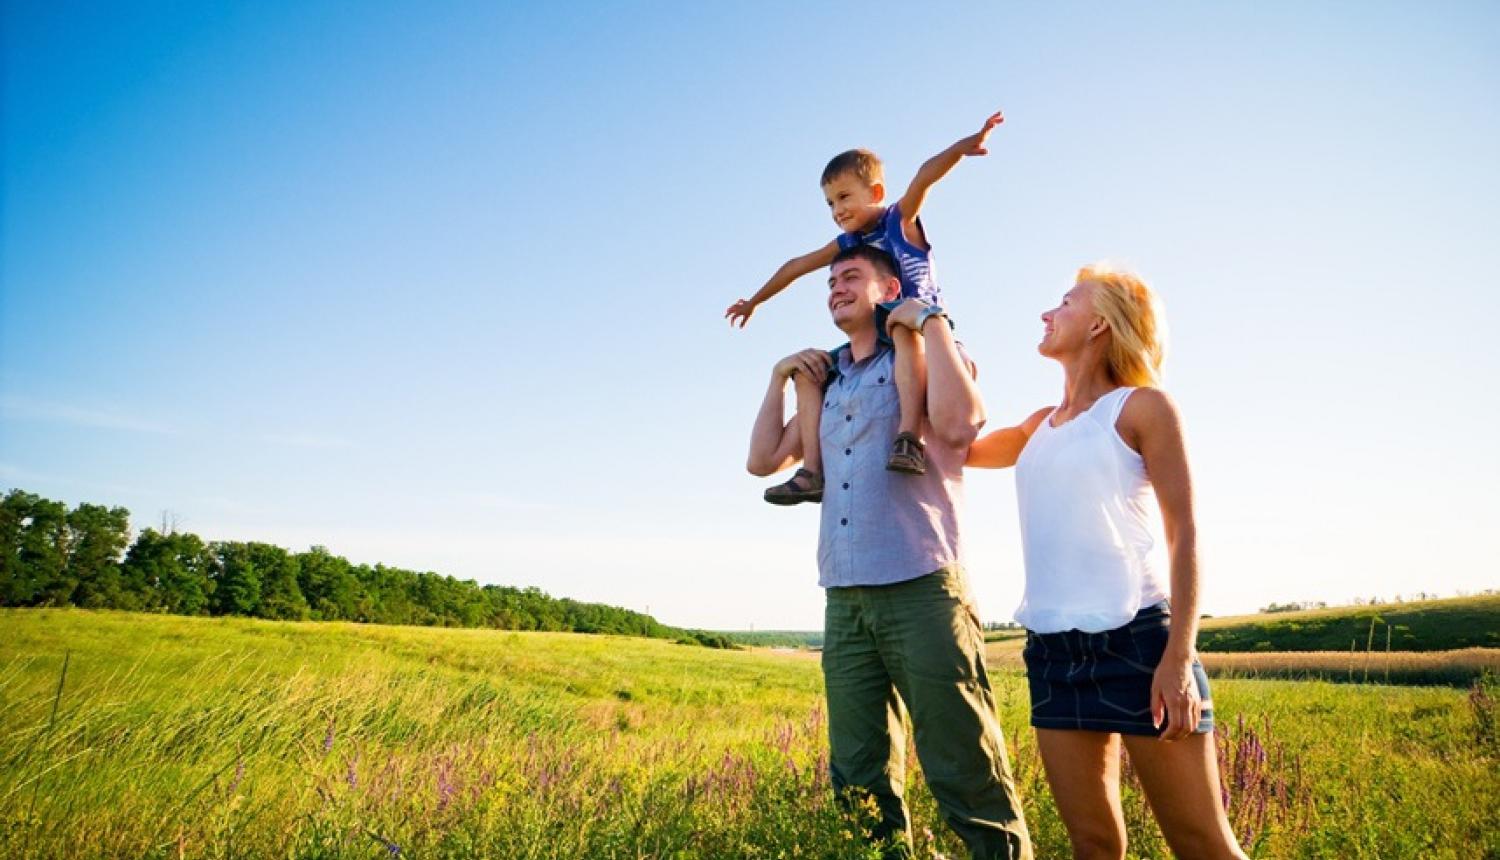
(974, 143)
(740, 312)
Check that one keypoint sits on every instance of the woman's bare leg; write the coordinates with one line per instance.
(1181, 779)
(1083, 770)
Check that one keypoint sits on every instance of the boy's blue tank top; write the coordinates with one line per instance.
(914, 263)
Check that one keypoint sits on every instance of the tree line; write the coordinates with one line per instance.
(53, 556)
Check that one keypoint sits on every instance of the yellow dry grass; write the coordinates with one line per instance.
(1458, 667)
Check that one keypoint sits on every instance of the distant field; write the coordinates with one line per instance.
(1427, 625)
(775, 638)
(1454, 668)
(234, 738)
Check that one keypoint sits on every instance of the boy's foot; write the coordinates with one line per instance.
(804, 486)
(907, 455)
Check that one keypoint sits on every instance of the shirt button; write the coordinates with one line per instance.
(882, 380)
(848, 417)
(846, 485)
(848, 451)
(844, 522)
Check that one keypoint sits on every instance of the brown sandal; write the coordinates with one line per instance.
(907, 455)
(804, 486)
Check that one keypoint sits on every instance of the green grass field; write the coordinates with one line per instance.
(225, 738)
(1423, 625)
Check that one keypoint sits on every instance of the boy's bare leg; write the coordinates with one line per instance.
(911, 387)
(911, 378)
(807, 484)
(809, 421)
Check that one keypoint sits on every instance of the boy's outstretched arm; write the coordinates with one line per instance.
(936, 168)
(790, 271)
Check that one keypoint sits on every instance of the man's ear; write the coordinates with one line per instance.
(892, 289)
(877, 190)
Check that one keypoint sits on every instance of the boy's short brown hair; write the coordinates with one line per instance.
(863, 163)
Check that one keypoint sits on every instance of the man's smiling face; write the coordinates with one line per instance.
(854, 289)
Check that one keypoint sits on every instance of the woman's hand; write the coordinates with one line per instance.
(1174, 696)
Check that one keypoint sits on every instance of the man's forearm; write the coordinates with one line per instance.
(765, 435)
(954, 405)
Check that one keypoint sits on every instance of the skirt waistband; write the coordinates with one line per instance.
(1157, 615)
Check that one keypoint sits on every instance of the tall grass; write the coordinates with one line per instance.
(181, 737)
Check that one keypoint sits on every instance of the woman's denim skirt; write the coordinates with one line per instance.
(1101, 682)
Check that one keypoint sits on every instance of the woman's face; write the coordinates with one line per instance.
(1070, 325)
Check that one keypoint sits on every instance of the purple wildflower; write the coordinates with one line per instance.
(239, 776)
(784, 737)
(445, 786)
(391, 848)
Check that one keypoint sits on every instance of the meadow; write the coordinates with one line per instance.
(129, 735)
(1442, 624)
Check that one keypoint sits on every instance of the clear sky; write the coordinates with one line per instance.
(441, 285)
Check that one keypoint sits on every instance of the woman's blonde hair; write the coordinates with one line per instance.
(1137, 326)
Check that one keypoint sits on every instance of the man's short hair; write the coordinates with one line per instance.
(863, 163)
(883, 264)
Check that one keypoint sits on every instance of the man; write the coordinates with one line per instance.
(899, 627)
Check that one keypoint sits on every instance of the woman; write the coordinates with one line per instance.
(1106, 657)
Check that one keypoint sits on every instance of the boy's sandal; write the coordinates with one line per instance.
(907, 455)
(804, 486)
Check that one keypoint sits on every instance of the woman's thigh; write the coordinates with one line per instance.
(1181, 780)
(1083, 771)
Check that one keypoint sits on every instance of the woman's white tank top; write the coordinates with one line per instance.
(1089, 525)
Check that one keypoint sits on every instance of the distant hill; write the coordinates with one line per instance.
(774, 638)
(1426, 625)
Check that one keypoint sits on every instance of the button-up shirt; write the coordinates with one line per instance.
(881, 527)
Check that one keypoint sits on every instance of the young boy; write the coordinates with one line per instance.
(854, 187)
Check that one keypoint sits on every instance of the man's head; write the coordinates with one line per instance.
(854, 187)
(860, 278)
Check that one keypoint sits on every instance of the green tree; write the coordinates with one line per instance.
(97, 536)
(236, 580)
(33, 570)
(14, 586)
(280, 596)
(171, 572)
(328, 584)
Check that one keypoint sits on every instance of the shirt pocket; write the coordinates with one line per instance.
(829, 425)
(877, 397)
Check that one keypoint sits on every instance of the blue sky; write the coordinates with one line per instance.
(441, 285)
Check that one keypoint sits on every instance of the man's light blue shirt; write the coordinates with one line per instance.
(880, 527)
